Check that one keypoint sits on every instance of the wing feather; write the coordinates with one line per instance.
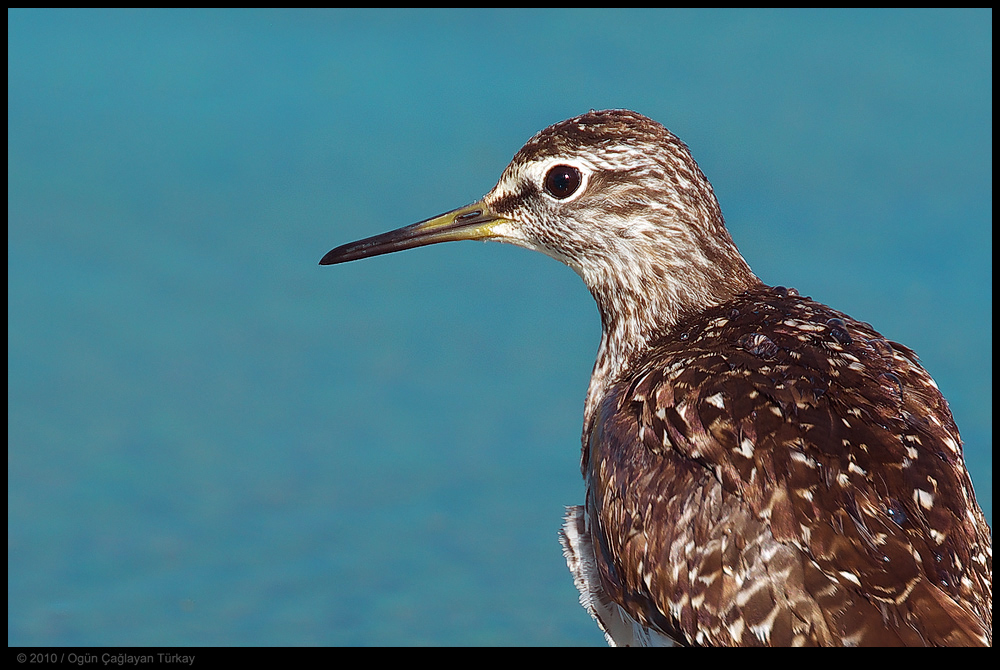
(775, 472)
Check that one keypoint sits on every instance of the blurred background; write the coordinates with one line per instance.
(211, 440)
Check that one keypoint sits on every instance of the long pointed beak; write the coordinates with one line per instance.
(472, 222)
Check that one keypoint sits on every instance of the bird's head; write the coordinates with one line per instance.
(618, 198)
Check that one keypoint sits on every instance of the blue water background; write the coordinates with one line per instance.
(214, 441)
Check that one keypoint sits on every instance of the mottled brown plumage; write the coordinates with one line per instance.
(775, 472)
(761, 469)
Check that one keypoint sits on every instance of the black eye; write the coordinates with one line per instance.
(562, 181)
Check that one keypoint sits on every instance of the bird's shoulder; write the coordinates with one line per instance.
(775, 434)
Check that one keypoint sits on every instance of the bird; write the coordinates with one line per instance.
(760, 469)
